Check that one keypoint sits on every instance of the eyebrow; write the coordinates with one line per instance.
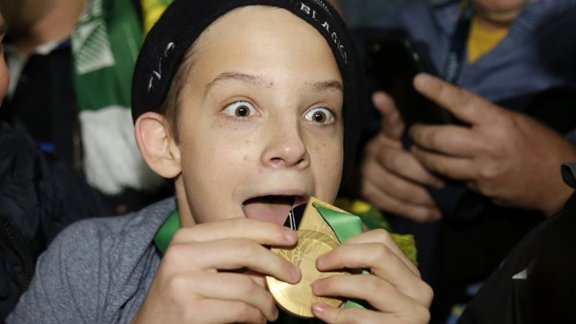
(328, 85)
(261, 81)
(235, 76)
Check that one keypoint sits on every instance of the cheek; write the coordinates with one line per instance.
(217, 162)
(328, 164)
(214, 167)
(211, 183)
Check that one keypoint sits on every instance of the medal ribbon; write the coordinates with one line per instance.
(166, 231)
(344, 226)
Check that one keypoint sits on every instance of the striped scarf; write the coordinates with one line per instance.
(105, 46)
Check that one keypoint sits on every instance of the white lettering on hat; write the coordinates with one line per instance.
(326, 25)
(157, 73)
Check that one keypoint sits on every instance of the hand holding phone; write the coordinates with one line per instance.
(394, 62)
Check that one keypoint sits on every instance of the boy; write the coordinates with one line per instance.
(246, 106)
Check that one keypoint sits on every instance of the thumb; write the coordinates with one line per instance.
(391, 122)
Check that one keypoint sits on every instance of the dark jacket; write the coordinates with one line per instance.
(537, 281)
(39, 195)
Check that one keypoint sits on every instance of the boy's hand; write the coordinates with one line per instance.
(393, 288)
(208, 274)
(504, 155)
(392, 178)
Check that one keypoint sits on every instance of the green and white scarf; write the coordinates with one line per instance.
(105, 46)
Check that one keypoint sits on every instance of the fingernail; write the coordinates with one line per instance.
(320, 262)
(421, 79)
(295, 274)
(275, 314)
(313, 286)
(319, 309)
(290, 236)
(436, 215)
(439, 184)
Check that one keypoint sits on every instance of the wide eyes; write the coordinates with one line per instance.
(245, 109)
(240, 109)
(320, 115)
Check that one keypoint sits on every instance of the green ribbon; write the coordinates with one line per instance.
(166, 231)
(344, 226)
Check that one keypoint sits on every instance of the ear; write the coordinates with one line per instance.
(157, 144)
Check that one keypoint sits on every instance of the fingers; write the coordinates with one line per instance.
(248, 299)
(395, 184)
(385, 201)
(232, 254)
(466, 106)
(235, 312)
(206, 269)
(382, 236)
(392, 178)
(238, 243)
(335, 315)
(373, 247)
(448, 150)
(386, 300)
(380, 294)
(449, 140)
(394, 181)
(244, 228)
(389, 156)
(375, 250)
(393, 287)
(449, 166)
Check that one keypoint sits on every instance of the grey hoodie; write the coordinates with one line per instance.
(95, 271)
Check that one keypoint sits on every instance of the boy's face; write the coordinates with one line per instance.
(260, 123)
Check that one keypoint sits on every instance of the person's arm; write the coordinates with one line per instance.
(504, 155)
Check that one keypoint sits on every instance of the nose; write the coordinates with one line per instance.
(286, 147)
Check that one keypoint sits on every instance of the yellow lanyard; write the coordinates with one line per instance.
(152, 10)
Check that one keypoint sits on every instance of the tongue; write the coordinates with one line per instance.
(270, 209)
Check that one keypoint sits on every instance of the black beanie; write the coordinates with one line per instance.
(184, 20)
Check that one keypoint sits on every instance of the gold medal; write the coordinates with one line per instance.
(315, 238)
(298, 298)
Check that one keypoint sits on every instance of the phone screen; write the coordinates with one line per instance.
(394, 62)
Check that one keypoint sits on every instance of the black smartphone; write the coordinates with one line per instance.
(393, 62)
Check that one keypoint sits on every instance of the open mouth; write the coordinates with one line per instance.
(271, 208)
